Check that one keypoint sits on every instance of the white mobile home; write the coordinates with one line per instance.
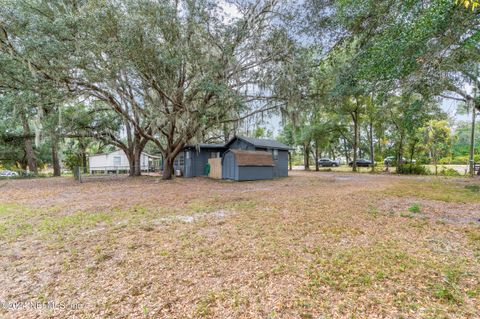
(117, 161)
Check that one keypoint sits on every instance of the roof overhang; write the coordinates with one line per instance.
(282, 147)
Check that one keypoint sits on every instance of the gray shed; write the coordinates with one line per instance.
(193, 159)
(243, 165)
(278, 151)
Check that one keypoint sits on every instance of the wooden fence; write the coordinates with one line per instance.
(215, 168)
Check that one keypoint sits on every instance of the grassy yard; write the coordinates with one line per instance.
(462, 170)
(313, 245)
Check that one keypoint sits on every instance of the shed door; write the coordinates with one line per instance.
(275, 161)
(231, 168)
(188, 164)
(228, 166)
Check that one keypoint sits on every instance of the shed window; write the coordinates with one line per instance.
(181, 160)
(117, 160)
(275, 154)
(214, 154)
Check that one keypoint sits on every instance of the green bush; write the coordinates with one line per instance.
(445, 160)
(449, 172)
(413, 169)
(461, 160)
(415, 208)
(474, 188)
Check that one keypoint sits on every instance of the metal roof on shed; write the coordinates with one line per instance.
(262, 142)
(257, 142)
(205, 146)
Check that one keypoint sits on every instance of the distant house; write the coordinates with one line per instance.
(117, 161)
(243, 158)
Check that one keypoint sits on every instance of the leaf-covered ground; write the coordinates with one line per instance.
(314, 245)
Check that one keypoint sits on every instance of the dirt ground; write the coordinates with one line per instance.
(313, 245)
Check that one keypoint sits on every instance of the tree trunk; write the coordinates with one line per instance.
(306, 157)
(23, 164)
(31, 158)
(412, 150)
(131, 162)
(84, 161)
(137, 162)
(168, 168)
(355, 140)
(472, 139)
(290, 160)
(400, 152)
(83, 156)
(372, 149)
(170, 154)
(316, 157)
(55, 159)
(345, 148)
(474, 115)
(332, 152)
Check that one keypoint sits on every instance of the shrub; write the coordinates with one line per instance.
(474, 188)
(415, 208)
(445, 160)
(449, 172)
(461, 160)
(413, 169)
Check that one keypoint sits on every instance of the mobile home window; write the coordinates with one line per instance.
(117, 160)
(275, 154)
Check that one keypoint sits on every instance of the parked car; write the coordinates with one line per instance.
(392, 161)
(361, 162)
(326, 162)
(7, 173)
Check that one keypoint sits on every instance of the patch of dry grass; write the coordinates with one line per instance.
(454, 190)
(312, 245)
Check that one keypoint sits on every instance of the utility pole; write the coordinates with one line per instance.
(474, 115)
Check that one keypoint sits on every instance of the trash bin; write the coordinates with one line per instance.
(178, 172)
